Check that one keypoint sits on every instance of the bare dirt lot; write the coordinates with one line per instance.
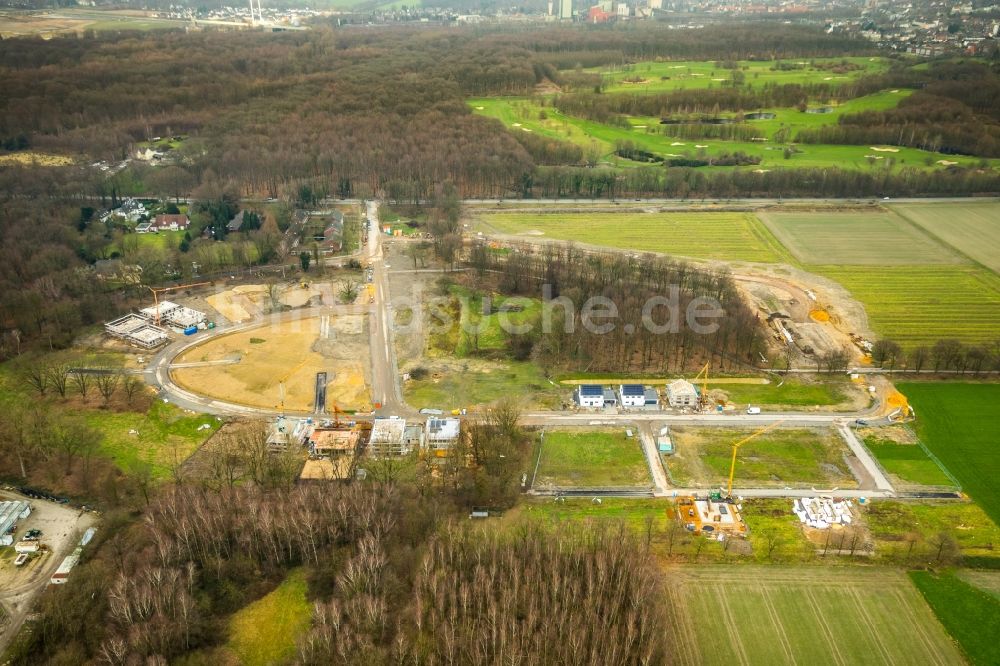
(246, 302)
(247, 367)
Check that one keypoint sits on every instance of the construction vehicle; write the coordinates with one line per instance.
(163, 290)
(736, 447)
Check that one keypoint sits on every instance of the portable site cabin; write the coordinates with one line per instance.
(589, 395)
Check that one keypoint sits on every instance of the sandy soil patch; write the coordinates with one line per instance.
(293, 351)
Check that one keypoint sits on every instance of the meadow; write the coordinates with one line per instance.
(971, 615)
(792, 392)
(592, 459)
(972, 228)
(797, 457)
(781, 615)
(672, 75)
(264, 632)
(960, 424)
(470, 384)
(731, 236)
(919, 305)
(893, 523)
(855, 238)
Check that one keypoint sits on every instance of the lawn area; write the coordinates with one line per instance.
(792, 392)
(472, 383)
(919, 305)
(671, 75)
(795, 457)
(972, 228)
(264, 633)
(728, 236)
(960, 424)
(165, 436)
(908, 463)
(892, 522)
(786, 615)
(856, 238)
(591, 459)
(970, 615)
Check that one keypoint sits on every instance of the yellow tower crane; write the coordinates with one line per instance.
(284, 378)
(736, 447)
(703, 375)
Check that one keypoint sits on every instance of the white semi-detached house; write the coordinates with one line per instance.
(632, 395)
(589, 395)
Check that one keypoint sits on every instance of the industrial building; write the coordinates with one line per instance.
(589, 395)
(10, 513)
(682, 393)
(136, 330)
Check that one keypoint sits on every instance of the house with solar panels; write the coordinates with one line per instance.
(632, 395)
(589, 395)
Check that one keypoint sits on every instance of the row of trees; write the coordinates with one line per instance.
(949, 355)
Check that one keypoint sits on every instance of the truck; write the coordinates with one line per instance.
(753, 410)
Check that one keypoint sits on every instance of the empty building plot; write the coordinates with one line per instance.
(856, 238)
(136, 330)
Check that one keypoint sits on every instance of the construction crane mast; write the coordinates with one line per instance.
(736, 447)
(164, 290)
(703, 375)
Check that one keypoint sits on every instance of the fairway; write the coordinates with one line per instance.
(726, 236)
(795, 457)
(972, 228)
(960, 424)
(671, 75)
(919, 305)
(789, 615)
(856, 238)
(591, 459)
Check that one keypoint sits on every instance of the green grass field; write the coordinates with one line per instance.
(908, 463)
(960, 424)
(264, 632)
(970, 615)
(787, 615)
(797, 457)
(916, 305)
(792, 392)
(598, 140)
(892, 522)
(600, 458)
(459, 387)
(972, 228)
(695, 74)
(165, 436)
(856, 238)
(726, 236)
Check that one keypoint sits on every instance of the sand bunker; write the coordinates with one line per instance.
(946, 163)
(884, 149)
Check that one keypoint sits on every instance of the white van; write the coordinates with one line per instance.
(753, 410)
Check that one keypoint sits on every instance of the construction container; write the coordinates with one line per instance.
(190, 330)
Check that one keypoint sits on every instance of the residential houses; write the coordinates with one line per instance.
(682, 393)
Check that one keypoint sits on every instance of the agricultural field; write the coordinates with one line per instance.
(856, 238)
(731, 236)
(919, 305)
(264, 632)
(972, 228)
(592, 459)
(988, 581)
(971, 615)
(781, 615)
(672, 75)
(960, 424)
(796, 457)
